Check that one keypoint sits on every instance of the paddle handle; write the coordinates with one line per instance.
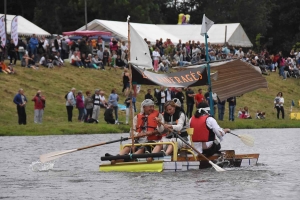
(103, 143)
(234, 134)
(113, 141)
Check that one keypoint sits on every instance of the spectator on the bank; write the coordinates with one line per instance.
(156, 58)
(127, 104)
(108, 115)
(80, 106)
(12, 52)
(260, 115)
(88, 62)
(199, 97)
(31, 62)
(190, 101)
(179, 95)
(161, 99)
(245, 113)
(221, 109)
(20, 100)
(113, 61)
(103, 103)
(119, 62)
(278, 104)
(97, 62)
(105, 57)
(126, 81)
(100, 53)
(96, 108)
(232, 103)
(70, 103)
(148, 95)
(39, 106)
(88, 104)
(33, 43)
(76, 61)
(113, 99)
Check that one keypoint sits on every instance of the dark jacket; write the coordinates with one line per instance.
(231, 103)
(108, 114)
(18, 99)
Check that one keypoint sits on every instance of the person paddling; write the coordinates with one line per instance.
(207, 133)
(144, 124)
(175, 121)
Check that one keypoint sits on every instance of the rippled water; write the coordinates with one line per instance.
(76, 176)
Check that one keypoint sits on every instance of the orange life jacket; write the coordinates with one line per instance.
(201, 132)
(151, 124)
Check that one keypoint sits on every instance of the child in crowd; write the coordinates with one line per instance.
(260, 115)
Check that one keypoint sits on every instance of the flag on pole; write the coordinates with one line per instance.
(206, 24)
(14, 30)
(2, 31)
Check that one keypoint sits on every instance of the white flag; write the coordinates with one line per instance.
(2, 31)
(206, 24)
(14, 30)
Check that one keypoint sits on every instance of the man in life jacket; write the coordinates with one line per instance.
(176, 121)
(144, 124)
(207, 133)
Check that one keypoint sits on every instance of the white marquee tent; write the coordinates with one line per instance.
(25, 27)
(236, 35)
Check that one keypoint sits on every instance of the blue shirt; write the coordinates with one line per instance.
(18, 99)
(113, 99)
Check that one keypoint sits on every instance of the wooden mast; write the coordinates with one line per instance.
(130, 89)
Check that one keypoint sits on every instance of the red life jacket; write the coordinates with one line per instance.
(151, 124)
(201, 132)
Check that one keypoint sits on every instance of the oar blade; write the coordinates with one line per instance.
(247, 140)
(55, 155)
(217, 168)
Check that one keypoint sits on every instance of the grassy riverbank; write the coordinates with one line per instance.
(54, 84)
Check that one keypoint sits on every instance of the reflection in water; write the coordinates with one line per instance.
(38, 166)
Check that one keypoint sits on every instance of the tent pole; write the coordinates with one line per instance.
(225, 34)
(208, 78)
(130, 91)
(85, 14)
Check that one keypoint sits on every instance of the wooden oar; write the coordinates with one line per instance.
(57, 154)
(246, 139)
(217, 168)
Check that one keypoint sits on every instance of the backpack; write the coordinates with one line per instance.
(66, 96)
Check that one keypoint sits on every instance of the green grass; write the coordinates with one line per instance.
(54, 84)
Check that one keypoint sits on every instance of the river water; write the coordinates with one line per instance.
(76, 176)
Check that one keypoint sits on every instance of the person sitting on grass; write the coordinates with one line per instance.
(4, 68)
(108, 115)
(119, 62)
(260, 115)
(76, 61)
(31, 63)
(97, 62)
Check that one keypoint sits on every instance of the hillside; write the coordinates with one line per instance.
(54, 84)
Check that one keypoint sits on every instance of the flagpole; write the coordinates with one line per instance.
(211, 106)
(130, 89)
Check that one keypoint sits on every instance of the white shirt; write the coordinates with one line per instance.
(168, 95)
(155, 55)
(163, 95)
(42, 60)
(180, 123)
(46, 43)
(124, 48)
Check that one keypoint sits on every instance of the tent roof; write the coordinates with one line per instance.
(25, 27)
(87, 33)
(120, 29)
(236, 35)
